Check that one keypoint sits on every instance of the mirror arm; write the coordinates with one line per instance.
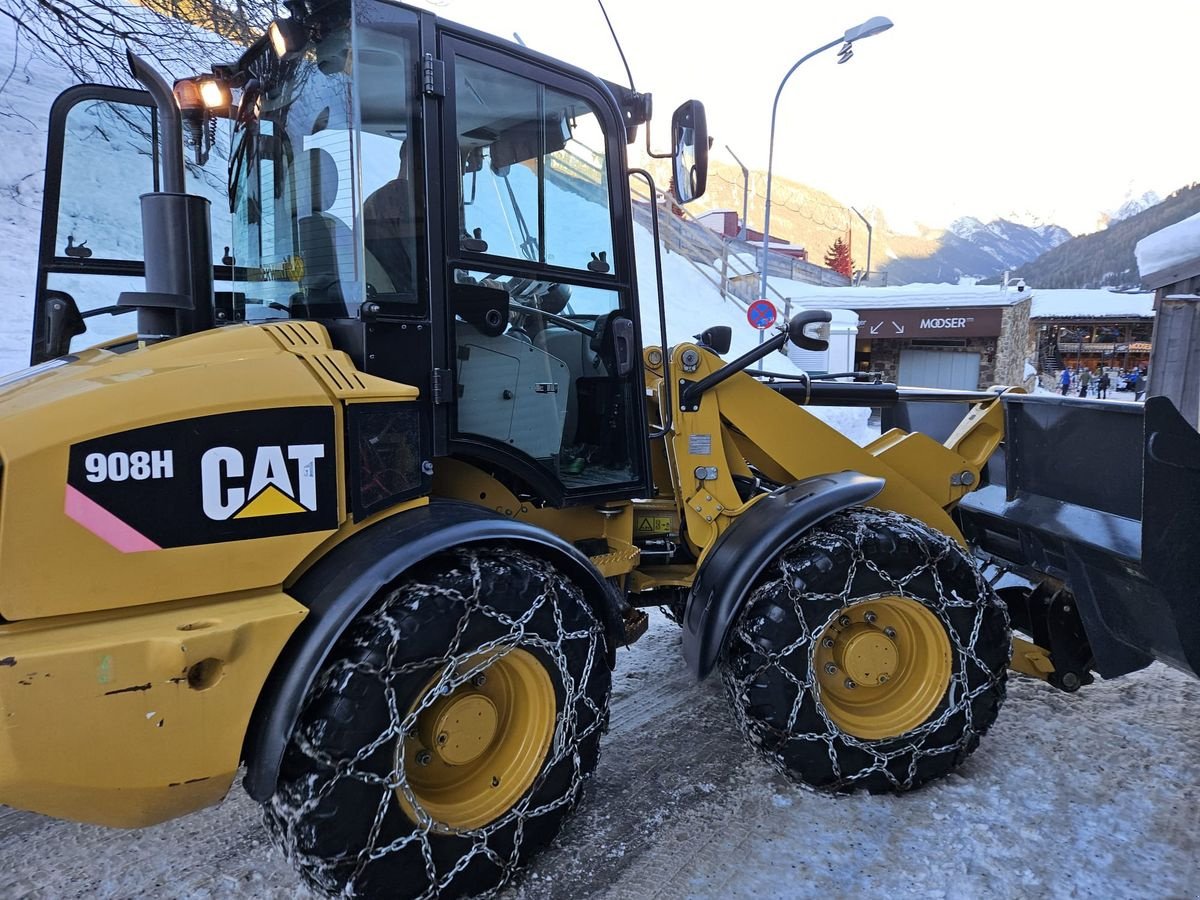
(650, 152)
(689, 400)
(793, 332)
(662, 303)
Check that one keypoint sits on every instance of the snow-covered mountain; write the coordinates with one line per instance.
(1134, 205)
(1131, 205)
(972, 247)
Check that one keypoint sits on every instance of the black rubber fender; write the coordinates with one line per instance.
(744, 549)
(345, 580)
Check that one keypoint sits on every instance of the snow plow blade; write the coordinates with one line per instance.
(1104, 498)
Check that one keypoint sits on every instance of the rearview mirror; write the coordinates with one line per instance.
(689, 140)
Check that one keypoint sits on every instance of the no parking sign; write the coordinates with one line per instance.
(761, 314)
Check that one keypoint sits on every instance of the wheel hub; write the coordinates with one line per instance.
(476, 750)
(867, 655)
(460, 727)
(882, 666)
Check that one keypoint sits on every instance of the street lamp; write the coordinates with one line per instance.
(869, 230)
(741, 235)
(872, 26)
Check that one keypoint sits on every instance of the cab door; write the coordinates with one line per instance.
(545, 348)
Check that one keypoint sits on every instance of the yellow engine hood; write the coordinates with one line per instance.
(127, 477)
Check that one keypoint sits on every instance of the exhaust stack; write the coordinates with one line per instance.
(176, 236)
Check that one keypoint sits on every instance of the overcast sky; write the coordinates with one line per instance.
(1051, 107)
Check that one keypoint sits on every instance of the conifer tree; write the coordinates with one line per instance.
(837, 258)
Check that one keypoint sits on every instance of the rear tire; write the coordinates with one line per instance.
(449, 734)
(881, 600)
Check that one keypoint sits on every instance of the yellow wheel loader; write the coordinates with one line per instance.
(367, 471)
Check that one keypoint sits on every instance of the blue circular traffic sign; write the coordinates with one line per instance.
(761, 314)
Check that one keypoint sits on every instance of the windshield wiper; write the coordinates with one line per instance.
(530, 248)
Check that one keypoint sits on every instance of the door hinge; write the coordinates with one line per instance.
(433, 76)
(440, 386)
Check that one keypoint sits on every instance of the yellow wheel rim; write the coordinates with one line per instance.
(882, 667)
(477, 750)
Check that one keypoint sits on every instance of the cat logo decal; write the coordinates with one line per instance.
(227, 477)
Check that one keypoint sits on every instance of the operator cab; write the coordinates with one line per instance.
(455, 210)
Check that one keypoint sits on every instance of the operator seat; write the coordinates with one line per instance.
(389, 228)
(326, 244)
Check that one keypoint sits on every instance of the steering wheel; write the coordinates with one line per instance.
(555, 318)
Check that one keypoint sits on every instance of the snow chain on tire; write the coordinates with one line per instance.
(853, 558)
(335, 812)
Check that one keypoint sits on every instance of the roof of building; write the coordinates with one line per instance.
(1090, 304)
(1047, 304)
(907, 296)
(1171, 254)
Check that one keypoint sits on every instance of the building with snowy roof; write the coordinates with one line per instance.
(974, 336)
(1091, 329)
(932, 335)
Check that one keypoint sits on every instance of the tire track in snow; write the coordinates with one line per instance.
(1095, 794)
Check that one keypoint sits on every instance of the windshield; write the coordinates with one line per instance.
(321, 170)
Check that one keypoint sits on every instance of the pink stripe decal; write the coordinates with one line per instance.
(100, 522)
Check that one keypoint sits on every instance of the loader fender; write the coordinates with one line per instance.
(339, 586)
(746, 548)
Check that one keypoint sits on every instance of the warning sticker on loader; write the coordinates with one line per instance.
(652, 524)
(229, 477)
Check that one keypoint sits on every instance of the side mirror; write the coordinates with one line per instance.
(689, 142)
(61, 321)
(797, 329)
(717, 339)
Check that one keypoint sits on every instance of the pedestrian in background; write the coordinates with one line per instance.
(1085, 378)
(1102, 385)
(1139, 384)
(1064, 381)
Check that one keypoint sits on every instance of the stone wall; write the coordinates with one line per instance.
(1013, 348)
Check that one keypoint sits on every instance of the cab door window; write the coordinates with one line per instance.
(532, 169)
(545, 343)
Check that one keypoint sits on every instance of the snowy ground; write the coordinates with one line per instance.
(1088, 795)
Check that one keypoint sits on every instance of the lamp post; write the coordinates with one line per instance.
(869, 230)
(745, 193)
(872, 26)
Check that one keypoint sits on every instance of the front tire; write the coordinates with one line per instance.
(449, 734)
(871, 653)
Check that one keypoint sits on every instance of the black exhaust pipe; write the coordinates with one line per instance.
(176, 235)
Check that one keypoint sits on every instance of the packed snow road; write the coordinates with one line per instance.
(1091, 795)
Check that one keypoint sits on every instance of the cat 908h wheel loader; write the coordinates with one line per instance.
(386, 474)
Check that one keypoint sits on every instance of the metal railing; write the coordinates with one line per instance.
(730, 265)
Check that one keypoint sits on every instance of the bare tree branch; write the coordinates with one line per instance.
(90, 37)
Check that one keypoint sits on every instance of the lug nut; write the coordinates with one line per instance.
(830, 669)
(479, 680)
(884, 678)
(827, 643)
(424, 757)
(850, 685)
(890, 632)
(844, 621)
(442, 738)
(870, 618)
